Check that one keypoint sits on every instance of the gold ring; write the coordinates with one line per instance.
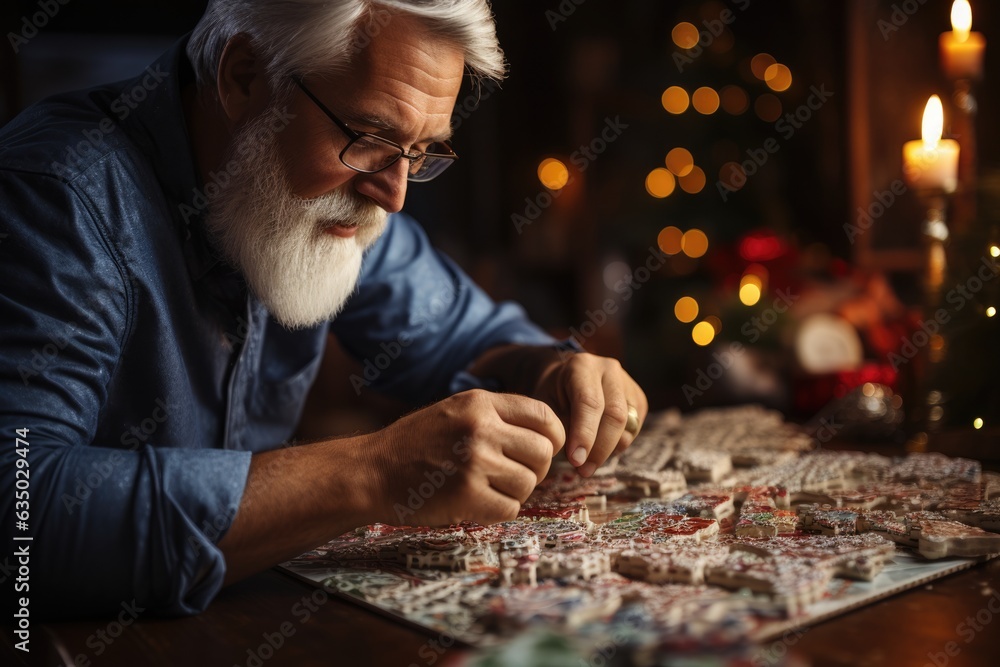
(632, 423)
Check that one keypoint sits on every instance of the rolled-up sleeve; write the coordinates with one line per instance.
(417, 321)
(111, 526)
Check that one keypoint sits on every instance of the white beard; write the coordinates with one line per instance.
(302, 274)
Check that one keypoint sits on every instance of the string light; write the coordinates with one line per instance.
(703, 333)
(760, 63)
(669, 240)
(778, 77)
(553, 174)
(705, 100)
(686, 309)
(685, 35)
(675, 100)
(749, 294)
(660, 183)
(694, 243)
(694, 181)
(680, 161)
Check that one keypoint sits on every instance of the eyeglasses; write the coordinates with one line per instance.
(369, 154)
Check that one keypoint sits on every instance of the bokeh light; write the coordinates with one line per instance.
(553, 173)
(694, 243)
(703, 333)
(669, 240)
(991, 311)
(778, 77)
(705, 100)
(660, 183)
(694, 181)
(675, 100)
(767, 107)
(759, 64)
(680, 161)
(685, 35)
(749, 294)
(994, 251)
(734, 100)
(977, 423)
(686, 309)
(716, 323)
(616, 273)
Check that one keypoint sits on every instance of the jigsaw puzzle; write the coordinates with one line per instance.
(715, 528)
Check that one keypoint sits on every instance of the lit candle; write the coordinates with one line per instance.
(931, 163)
(961, 49)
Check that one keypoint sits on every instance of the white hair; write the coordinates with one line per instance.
(309, 36)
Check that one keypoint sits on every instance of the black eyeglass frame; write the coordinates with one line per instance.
(353, 136)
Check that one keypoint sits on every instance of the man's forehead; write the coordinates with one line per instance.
(404, 77)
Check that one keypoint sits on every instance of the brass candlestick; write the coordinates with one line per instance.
(928, 402)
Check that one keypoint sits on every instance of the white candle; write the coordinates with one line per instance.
(931, 163)
(961, 49)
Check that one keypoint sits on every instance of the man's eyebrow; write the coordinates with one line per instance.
(384, 124)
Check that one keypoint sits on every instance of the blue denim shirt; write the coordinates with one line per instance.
(144, 372)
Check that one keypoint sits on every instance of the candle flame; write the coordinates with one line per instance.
(961, 19)
(933, 123)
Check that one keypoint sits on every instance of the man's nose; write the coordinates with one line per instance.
(387, 187)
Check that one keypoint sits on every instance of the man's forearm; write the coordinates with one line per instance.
(296, 499)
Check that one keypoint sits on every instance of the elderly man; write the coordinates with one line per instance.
(178, 248)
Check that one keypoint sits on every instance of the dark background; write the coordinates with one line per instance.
(612, 60)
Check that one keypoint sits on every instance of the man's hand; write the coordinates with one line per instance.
(475, 456)
(591, 394)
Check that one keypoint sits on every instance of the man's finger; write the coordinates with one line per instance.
(512, 479)
(532, 414)
(612, 424)
(586, 408)
(530, 449)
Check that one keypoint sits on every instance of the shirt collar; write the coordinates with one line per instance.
(158, 126)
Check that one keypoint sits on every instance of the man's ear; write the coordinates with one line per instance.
(240, 82)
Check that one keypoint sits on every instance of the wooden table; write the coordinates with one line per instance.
(933, 625)
(917, 627)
